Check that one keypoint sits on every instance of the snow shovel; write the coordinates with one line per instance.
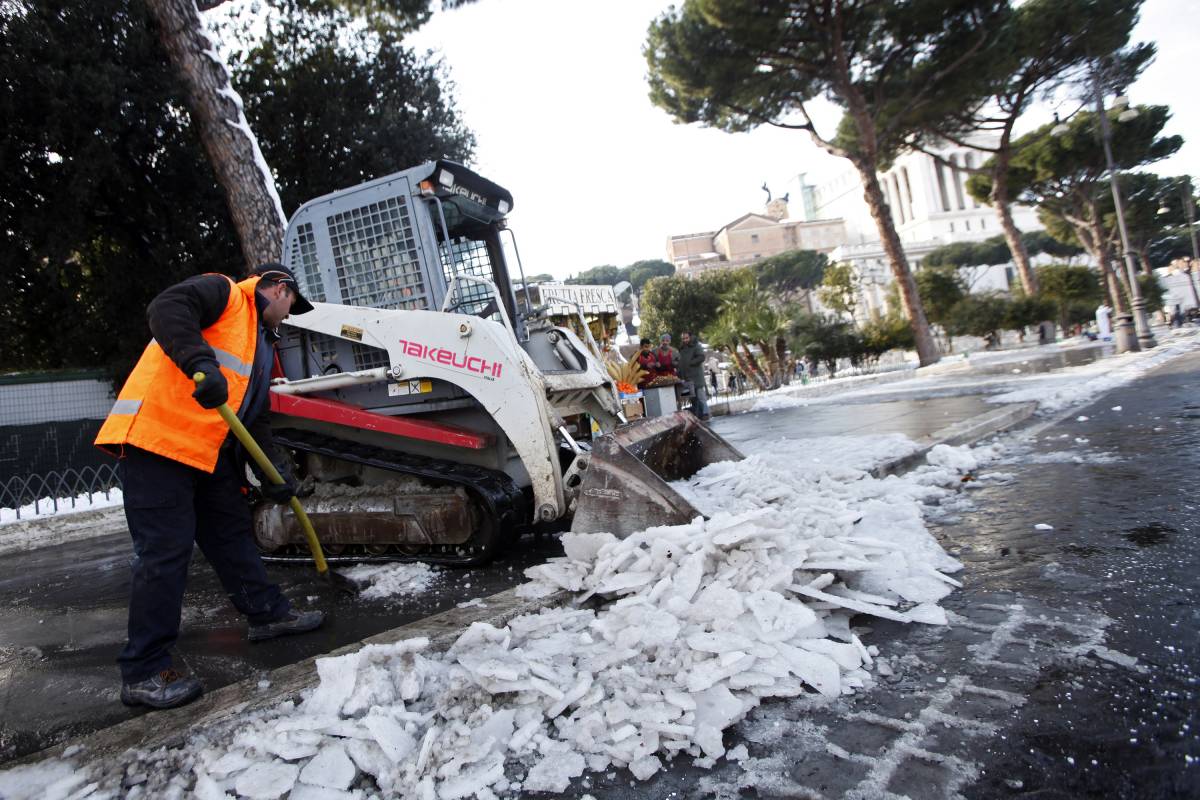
(334, 579)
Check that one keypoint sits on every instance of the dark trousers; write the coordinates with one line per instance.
(170, 507)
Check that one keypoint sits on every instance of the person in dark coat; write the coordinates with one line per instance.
(691, 368)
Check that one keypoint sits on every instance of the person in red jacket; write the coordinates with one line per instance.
(180, 471)
(648, 362)
(668, 357)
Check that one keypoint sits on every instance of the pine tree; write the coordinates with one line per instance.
(892, 66)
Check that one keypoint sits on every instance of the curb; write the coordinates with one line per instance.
(172, 728)
(960, 433)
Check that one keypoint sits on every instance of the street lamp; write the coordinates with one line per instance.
(1145, 338)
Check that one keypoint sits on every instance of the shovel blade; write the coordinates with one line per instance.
(626, 485)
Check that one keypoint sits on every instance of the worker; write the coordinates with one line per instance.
(648, 362)
(182, 475)
(691, 368)
(668, 356)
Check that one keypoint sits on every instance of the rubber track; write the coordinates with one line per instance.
(500, 497)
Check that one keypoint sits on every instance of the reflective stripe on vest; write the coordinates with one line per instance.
(155, 410)
(232, 362)
(126, 407)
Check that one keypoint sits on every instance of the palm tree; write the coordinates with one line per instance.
(726, 336)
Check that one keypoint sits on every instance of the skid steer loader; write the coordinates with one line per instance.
(431, 419)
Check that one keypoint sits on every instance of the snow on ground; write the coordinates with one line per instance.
(66, 505)
(1054, 390)
(776, 401)
(673, 635)
(1068, 387)
(392, 581)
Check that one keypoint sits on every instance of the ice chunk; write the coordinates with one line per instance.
(717, 707)
(390, 735)
(207, 789)
(267, 780)
(287, 748)
(498, 728)
(558, 574)
(778, 618)
(624, 582)
(330, 768)
(585, 546)
(718, 642)
(817, 670)
(1041, 526)
(845, 656)
(474, 781)
(554, 772)
(305, 792)
(233, 761)
(337, 675)
(853, 605)
(645, 767)
(928, 613)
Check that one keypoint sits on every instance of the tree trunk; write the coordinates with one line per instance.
(1144, 257)
(231, 146)
(1103, 256)
(1012, 235)
(755, 369)
(927, 350)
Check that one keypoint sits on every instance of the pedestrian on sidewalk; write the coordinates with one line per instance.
(182, 472)
(691, 368)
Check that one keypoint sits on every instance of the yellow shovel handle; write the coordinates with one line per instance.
(272, 474)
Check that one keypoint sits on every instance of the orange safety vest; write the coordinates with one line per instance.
(155, 409)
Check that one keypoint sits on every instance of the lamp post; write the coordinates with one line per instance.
(1145, 338)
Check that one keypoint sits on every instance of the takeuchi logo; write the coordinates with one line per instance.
(461, 361)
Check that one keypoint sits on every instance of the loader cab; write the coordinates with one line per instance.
(400, 241)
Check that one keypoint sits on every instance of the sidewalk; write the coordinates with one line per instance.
(754, 758)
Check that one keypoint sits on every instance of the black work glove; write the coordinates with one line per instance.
(281, 493)
(214, 389)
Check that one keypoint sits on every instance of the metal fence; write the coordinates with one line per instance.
(49, 492)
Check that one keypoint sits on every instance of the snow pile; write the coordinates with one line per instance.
(392, 580)
(66, 505)
(1085, 383)
(675, 634)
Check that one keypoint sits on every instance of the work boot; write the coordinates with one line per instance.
(167, 689)
(294, 622)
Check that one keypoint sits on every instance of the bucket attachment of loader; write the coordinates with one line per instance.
(625, 486)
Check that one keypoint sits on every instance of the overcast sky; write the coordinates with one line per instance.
(556, 93)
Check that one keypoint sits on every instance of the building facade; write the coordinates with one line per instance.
(750, 238)
(926, 197)
(930, 207)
